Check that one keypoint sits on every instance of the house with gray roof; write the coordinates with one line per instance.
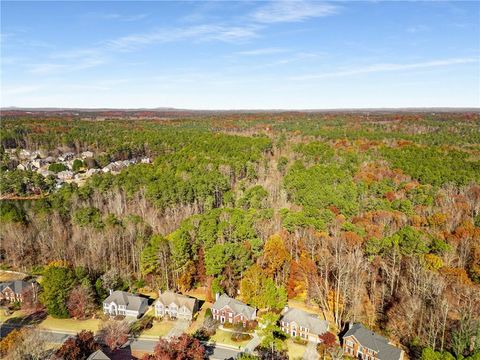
(98, 355)
(124, 303)
(17, 290)
(175, 305)
(307, 326)
(365, 344)
(227, 309)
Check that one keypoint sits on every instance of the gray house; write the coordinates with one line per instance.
(227, 309)
(123, 303)
(307, 326)
(98, 355)
(175, 305)
(363, 343)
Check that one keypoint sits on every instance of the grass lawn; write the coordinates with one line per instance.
(70, 324)
(224, 337)
(295, 351)
(16, 314)
(159, 328)
(198, 321)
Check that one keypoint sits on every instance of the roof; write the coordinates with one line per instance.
(98, 355)
(237, 306)
(168, 297)
(18, 286)
(307, 320)
(373, 341)
(132, 302)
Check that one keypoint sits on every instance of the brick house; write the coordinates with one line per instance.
(364, 344)
(16, 290)
(227, 309)
(296, 322)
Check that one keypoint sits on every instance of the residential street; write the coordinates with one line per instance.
(216, 352)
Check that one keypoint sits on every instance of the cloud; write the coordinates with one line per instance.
(292, 11)
(116, 16)
(198, 33)
(259, 52)
(21, 89)
(379, 68)
(417, 28)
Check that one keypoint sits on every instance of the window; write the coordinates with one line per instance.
(349, 343)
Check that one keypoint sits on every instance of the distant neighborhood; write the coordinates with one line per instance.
(67, 167)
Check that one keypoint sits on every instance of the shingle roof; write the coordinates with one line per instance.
(373, 341)
(98, 355)
(237, 306)
(18, 286)
(307, 320)
(132, 302)
(168, 297)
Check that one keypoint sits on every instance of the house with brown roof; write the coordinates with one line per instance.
(227, 309)
(175, 305)
(363, 343)
(296, 322)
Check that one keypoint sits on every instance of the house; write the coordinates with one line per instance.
(16, 290)
(364, 344)
(87, 154)
(175, 305)
(307, 326)
(124, 303)
(98, 355)
(227, 309)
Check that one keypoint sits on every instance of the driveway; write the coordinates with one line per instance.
(178, 329)
(311, 352)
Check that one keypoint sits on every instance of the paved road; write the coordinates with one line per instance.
(311, 352)
(215, 352)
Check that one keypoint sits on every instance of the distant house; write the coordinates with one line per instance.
(124, 303)
(227, 309)
(98, 355)
(296, 322)
(87, 154)
(364, 344)
(17, 290)
(175, 305)
(65, 175)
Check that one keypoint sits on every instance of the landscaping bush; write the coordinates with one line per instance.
(299, 340)
(238, 336)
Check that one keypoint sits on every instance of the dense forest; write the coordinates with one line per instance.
(375, 217)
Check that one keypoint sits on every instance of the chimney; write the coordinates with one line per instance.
(350, 325)
(110, 291)
(217, 295)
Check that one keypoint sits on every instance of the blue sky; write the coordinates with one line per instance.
(240, 55)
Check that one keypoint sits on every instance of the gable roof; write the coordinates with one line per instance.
(18, 286)
(237, 306)
(373, 341)
(98, 355)
(168, 297)
(306, 320)
(132, 302)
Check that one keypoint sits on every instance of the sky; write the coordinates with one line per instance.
(240, 55)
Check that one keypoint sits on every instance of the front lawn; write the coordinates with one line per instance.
(225, 337)
(72, 325)
(159, 328)
(295, 351)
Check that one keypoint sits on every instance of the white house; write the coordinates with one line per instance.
(123, 303)
(175, 305)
